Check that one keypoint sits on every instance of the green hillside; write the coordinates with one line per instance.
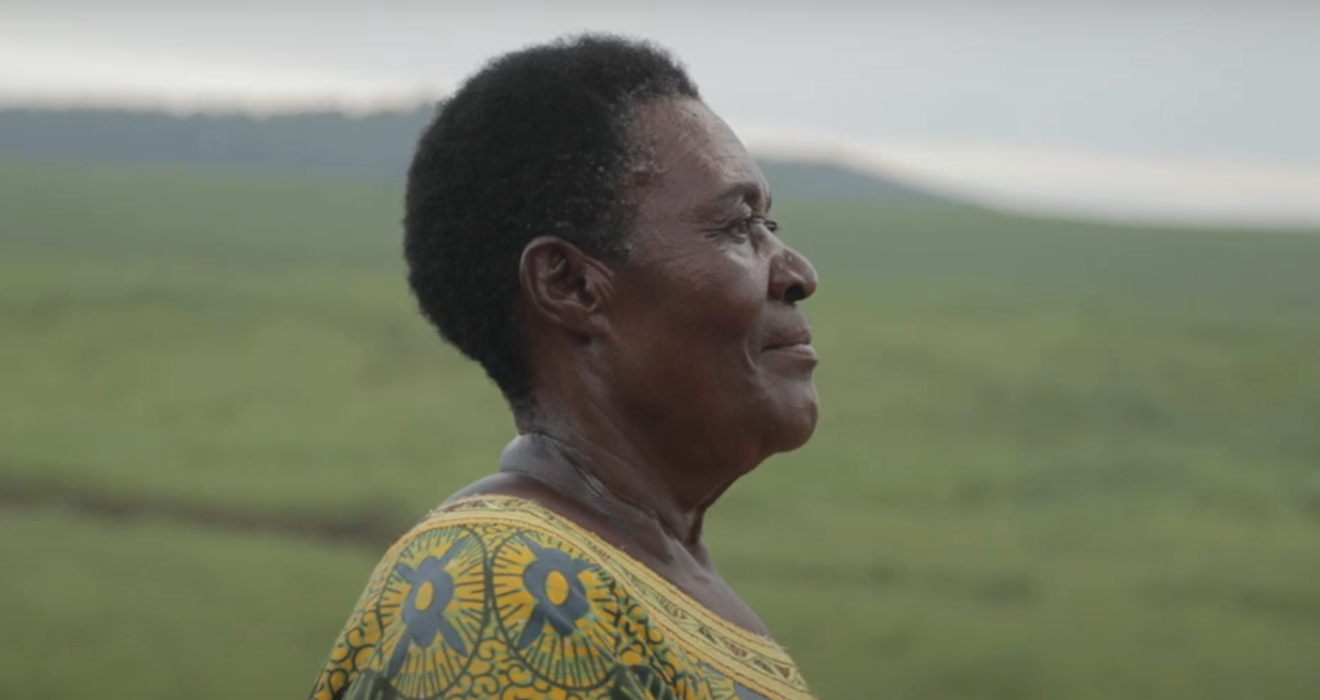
(1055, 460)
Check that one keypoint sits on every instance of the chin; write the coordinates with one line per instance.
(794, 424)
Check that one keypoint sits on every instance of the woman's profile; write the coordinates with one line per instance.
(584, 227)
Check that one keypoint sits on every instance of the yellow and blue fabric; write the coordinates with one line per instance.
(494, 597)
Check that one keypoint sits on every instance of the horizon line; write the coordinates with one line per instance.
(1022, 179)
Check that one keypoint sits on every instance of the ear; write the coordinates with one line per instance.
(565, 286)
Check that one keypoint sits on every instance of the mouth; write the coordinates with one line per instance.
(800, 347)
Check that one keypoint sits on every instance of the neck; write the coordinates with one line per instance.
(589, 457)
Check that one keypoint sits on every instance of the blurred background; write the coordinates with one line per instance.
(1069, 318)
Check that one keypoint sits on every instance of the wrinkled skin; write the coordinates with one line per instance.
(660, 380)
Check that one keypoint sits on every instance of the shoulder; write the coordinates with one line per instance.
(482, 598)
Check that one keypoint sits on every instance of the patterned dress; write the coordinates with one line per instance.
(494, 597)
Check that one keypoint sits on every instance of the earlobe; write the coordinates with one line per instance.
(565, 285)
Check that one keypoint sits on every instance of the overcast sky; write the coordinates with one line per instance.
(1127, 107)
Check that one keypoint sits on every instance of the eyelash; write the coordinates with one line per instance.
(741, 226)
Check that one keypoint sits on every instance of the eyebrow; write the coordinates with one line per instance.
(744, 191)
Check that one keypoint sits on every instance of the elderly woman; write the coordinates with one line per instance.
(584, 227)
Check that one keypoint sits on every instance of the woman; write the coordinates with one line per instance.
(583, 226)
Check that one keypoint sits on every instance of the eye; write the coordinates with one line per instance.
(743, 228)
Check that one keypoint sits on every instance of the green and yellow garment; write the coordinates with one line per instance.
(494, 597)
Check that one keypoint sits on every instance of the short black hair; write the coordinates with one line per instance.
(536, 142)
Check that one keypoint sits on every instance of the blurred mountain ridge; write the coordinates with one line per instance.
(373, 147)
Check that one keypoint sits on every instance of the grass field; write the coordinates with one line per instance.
(1056, 461)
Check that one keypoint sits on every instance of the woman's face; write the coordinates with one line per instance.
(708, 339)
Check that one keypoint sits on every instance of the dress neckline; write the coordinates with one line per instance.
(492, 505)
(747, 657)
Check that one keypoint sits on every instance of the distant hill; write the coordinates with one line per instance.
(825, 181)
(331, 145)
(323, 145)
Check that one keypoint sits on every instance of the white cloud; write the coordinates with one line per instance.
(33, 73)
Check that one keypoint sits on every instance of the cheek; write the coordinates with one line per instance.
(692, 339)
(697, 329)
(717, 313)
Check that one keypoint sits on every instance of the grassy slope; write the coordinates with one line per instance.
(147, 610)
(1055, 460)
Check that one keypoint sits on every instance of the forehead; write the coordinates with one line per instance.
(698, 158)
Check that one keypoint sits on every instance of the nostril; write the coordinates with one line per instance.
(795, 293)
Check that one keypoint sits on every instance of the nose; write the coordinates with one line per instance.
(792, 276)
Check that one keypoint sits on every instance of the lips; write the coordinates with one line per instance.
(790, 341)
(796, 344)
(789, 335)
